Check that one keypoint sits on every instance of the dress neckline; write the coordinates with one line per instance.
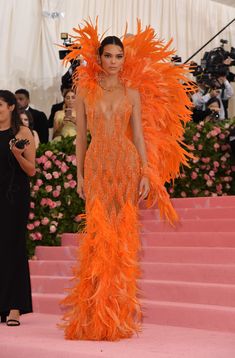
(5, 130)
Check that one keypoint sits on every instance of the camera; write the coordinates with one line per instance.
(66, 79)
(20, 143)
(214, 64)
(214, 115)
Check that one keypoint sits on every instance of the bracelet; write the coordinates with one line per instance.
(144, 171)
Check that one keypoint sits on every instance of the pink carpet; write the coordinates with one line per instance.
(187, 290)
(38, 337)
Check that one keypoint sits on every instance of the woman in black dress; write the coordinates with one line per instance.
(16, 165)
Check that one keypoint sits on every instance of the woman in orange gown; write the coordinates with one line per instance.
(114, 174)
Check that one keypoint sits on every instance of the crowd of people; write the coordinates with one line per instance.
(211, 100)
(62, 118)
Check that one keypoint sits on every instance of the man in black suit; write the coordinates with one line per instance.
(57, 107)
(39, 118)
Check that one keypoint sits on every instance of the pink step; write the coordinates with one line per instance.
(47, 303)
(191, 315)
(226, 225)
(213, 273)
(209, 239)
(193, 213)
(178, 291)
(202, 202)
(211, 317)
(51, 268)
(153, 254)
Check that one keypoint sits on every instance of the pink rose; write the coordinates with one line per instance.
(66, 185)
(48, 176)
(47, 165)
(42, 159)
(36, 223)
(219, 187)
(206, 176)
(221, 136)
(72, 184)
(205, 160)
(30, 226)
(52, 229)
(49, 153)
(56, 193)
(33, 236)
(39, 182)
(45, 221)
(200, 147)
(35, 187)
(43, 202)
(194, 175)
(58, 163)
(195, 138)
(191, 147)
(206, 192)
(195, 191)
(56, 175)
(38, 236)
(212, 173)
(183, 194)
(32, 205)
(74, 162)
(69, 176)
(51, 203)
(58, 187)
(209, 183)
(64, 168)
(31, 216)
(48, 188)
(223, 158)
(216, 164)
(69, 158)
(216, 146)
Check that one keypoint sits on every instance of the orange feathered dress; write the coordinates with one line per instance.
(103, 303)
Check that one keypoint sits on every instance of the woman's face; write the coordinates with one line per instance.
(24, 119)
(5, 111)
(112, 59)
(69, 99)
(214, 107)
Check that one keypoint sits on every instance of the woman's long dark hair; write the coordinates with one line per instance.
(110, 40)
(29, 116)
(10, 99)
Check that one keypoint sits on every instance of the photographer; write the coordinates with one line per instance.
(225, 95)
(212, 111)
(201, 98)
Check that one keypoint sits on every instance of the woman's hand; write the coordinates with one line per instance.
(144, 188)
(80, 188)
(16, 151)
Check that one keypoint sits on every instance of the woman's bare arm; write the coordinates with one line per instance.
(138, 139)
(81, 140)
(26, 156)
(136, 124)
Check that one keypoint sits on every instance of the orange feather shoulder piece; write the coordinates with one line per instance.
(163, 88)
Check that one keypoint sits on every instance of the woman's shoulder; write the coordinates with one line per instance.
(133, 94)
(60, 112)
(24, 131)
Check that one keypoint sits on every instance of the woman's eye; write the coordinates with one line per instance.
(119, 56)
(106, 56)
